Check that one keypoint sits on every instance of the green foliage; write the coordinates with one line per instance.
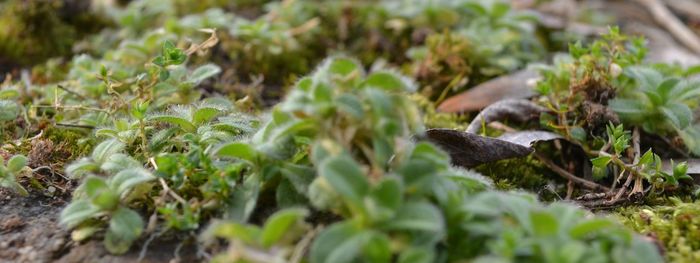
(660, 104)
(98, 198)
(275, 241)
(334, 171)
(414, 206)
(170, 56)
(554, 233)
(10, 110)
(10, 171)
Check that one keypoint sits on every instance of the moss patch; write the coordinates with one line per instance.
(676, 226)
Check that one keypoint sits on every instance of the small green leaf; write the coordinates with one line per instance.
(77, 212)
(280, 224)
(601, 161)
(621, 144)
(175, 120)
(387, 196)
(204, 72)
(106, 149)
(578, 133)
(388, 81)
(647, 158)
(159, 60)
(168, 46)
(238, 150)
(83, 233)
(204, 114)
(125, 226)
(9, 110)
(93, 185)
(164, 74)
(378, 248)
(416, 255)
(419, 217)
(118, 162)
(125, 180)
(627, 107)
(343, 66)
(590, 227)
(229, 230)
(543, 223)
(106, 200)
(345, 176)
(8, 94)
(16, 163)
(81, 167)
(340, 243)
(351, 105)
(680, 170)
(678, 114)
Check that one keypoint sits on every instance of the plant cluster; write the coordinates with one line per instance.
(394, 199)
(333, 172)
(596, 89)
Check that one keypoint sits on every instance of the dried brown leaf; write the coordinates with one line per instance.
(469, 150)
(512, 86)
(518, 110)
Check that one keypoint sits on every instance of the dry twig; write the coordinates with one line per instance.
(665, 18)
(564, 173)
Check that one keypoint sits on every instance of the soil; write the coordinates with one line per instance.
(29, 232)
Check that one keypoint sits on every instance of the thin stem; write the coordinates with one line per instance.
(171, 192)
(575, 179)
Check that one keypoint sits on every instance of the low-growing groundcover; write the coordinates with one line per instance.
(295, 131)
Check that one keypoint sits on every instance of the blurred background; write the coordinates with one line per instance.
(441, 43)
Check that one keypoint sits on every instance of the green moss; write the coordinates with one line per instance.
(520, 173)
(434, 119)
(675, 224)
(34, 30)
(73, 140)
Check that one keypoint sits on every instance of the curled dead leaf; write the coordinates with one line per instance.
(512, 86)
(518, 110)
(469, 149)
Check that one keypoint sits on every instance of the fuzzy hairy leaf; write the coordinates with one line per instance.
(125, 226)
(16, 163)
(106, 149)
(125, 180)
(345, 176)
(280, 224)
(77, 212)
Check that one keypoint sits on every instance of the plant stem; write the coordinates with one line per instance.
(577, 180)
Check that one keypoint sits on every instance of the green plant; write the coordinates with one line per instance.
(673, 223)
(9, 172)
(648, 166)
(335, 172)
(170, 56)
(394, 199)
(278, 240)
(514, 228)
(660, 104)
(106, 199)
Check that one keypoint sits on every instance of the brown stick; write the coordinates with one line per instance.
(575, 179)
(685, 7)
(638, 179)
(666, 19)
